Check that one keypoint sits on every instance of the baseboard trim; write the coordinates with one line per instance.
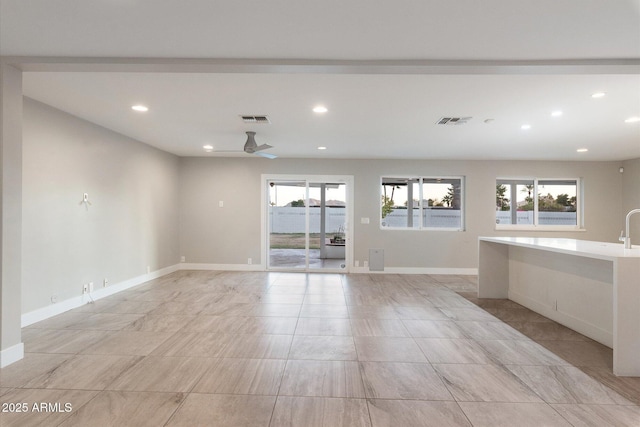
(11, 355)
(357, 270)
(418, 270)
(58, 308)
(222, 267)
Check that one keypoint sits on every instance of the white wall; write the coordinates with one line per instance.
(230, 235)
(132, 222)
(631, 197)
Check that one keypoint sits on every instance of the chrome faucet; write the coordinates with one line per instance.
(626, 238)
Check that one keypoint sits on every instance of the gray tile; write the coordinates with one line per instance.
(160, 323)
(242, 376)
(323, 326)
(520, 352)
(328, 378)
(388, 349)
(166, 374)
(416, 413)
(323, 348)
(184, 344)
(128, 343)
(258, 346)
(222, 410)
(600, 415)
(105, 322)
(320, 412)
(119, 408)
(84, 372)
(489, 414)
(378, 328)
(489, 330)
(60, 340)
(393, 380)
(475, 314)
(566, 384)
(31, 366)
(324, 310)
(484, 383)
(446, 350)
(433, 329)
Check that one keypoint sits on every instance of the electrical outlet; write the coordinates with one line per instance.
(249, 261)
(183, 258)
(356, 263)
(90, 287)
(365, 264)
(148, 269)
(85, 289)
(105, 282)
(54, 298)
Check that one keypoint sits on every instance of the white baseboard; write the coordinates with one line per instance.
(418, 270)
(222, 267)
(11, 355)
(71, 303)
(388, 270)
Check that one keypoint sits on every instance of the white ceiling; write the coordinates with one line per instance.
(387, 71)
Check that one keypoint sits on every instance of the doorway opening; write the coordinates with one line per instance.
(307, 223)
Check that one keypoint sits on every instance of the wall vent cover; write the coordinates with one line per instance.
(453, 120)
(255, 119)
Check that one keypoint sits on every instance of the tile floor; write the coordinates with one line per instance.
(288, 349)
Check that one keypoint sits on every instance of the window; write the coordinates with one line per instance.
(538, 203)
(422, 203)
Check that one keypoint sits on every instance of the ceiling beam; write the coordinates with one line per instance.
(294, 66)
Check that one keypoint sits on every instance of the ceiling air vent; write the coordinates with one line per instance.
(255, 119)
(453, 120)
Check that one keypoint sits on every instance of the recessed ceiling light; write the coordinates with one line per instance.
(598, 95)
(556, 113)
(322, 148)
(525, 127)
(207, 147)
(140, 108)
(320, 109)
(634, 119)
(582, 150)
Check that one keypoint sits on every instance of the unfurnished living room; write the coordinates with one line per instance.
(338, 213)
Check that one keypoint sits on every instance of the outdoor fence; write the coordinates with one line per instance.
(544, 218)
(438, 218)
(292, 219)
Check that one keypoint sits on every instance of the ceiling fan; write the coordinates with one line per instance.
(252, 147)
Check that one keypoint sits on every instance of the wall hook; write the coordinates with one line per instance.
(85, 200)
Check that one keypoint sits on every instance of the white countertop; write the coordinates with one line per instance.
(601, 250)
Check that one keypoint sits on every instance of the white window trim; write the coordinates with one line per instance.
(545, 227)
(420, 207)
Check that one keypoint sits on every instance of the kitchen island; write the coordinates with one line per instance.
(590, 287)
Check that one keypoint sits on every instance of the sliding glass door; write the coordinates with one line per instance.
(307, 224)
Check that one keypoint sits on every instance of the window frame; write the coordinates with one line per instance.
(536, 226)
(420, 206)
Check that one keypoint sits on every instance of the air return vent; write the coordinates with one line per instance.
(255, 119)
(453, 120)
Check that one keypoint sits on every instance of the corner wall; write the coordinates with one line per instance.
(130, 226)
(631, 197)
